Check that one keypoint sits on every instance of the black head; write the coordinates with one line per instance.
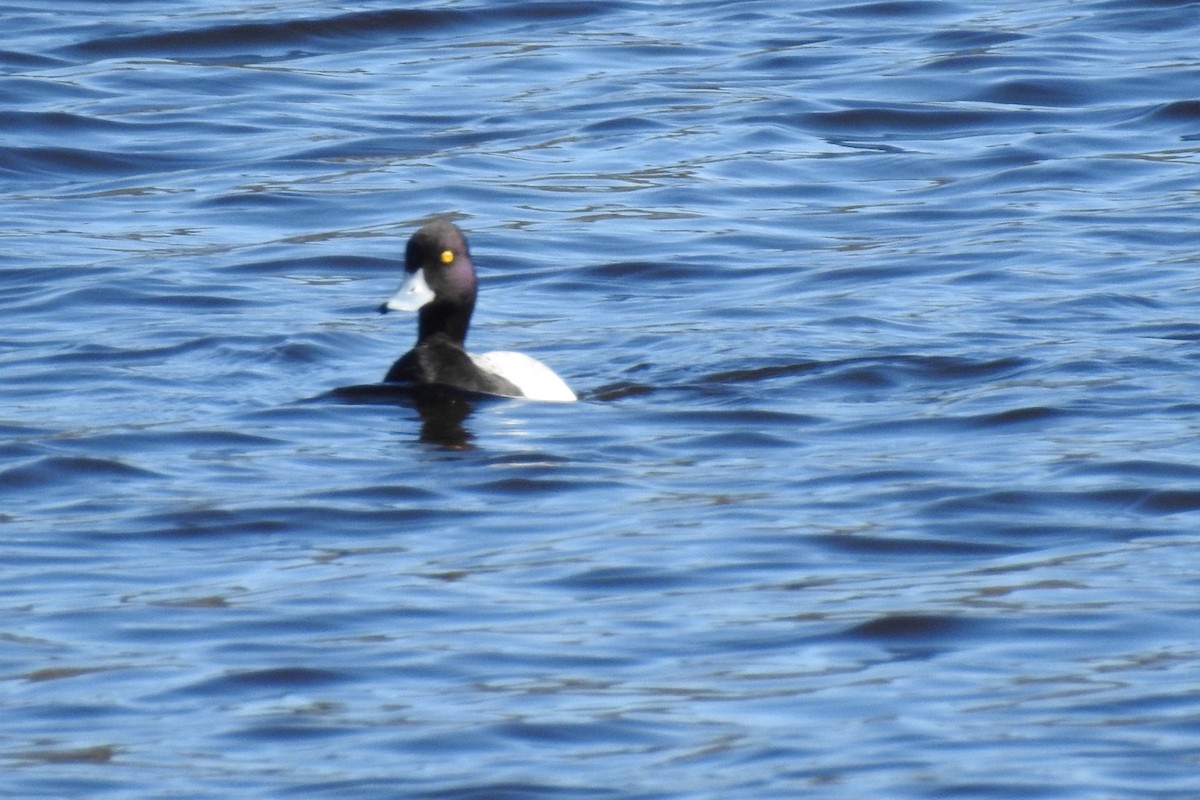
(441, 281)
(440, 249)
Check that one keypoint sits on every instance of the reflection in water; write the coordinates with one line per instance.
(443, 412)
(443, 409)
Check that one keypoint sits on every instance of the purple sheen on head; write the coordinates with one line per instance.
(454, 281)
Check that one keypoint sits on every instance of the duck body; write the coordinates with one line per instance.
(442, 361)
(441, 286)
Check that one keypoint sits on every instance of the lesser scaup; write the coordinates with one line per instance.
(441, 283)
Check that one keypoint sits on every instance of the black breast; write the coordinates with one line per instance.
(438, 360)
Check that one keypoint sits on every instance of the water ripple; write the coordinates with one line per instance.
(882, 482)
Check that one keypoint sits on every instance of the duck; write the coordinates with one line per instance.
(440, 285)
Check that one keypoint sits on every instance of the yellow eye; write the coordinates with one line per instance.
(447, 256)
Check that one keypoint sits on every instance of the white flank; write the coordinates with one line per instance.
(535, 380)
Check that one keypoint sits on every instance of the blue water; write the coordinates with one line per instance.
(884, 481)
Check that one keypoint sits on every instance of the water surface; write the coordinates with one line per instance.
(883, 481)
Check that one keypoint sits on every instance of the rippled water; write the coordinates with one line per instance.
(883, 484)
